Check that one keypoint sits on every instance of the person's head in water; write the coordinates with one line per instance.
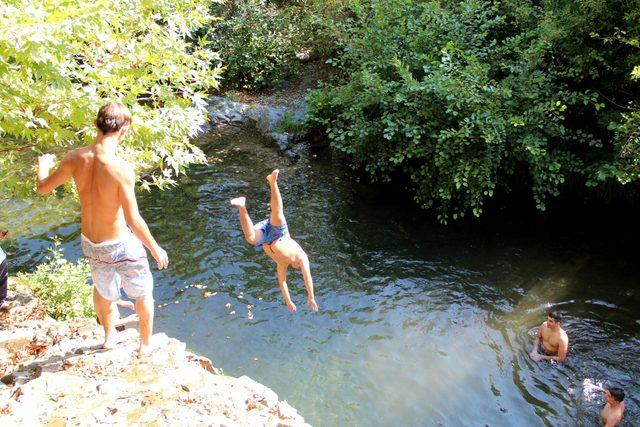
(614, 394)
(113, 118)
(554, 319)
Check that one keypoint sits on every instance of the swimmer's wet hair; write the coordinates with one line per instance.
(555, 315)
(617, 393)
(113, 117)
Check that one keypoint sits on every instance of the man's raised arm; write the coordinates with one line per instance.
(47, 183)
(284, 289)
(127, 196)
(308, 282)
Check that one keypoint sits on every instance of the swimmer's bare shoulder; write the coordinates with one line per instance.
(564, 337)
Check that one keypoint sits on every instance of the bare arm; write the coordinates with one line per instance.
(536, 341)
(284, 289)
(536, 345)
(127, 196)
(305, 268)
(47, 183)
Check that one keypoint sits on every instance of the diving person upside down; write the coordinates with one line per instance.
(272, 235)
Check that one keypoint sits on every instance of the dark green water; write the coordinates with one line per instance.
(418, 325)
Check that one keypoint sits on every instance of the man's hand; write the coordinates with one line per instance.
(291, 306)
(312, 304)
(46, 161)
(535, 356)
(161, 258)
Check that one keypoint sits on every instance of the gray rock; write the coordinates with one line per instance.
(267, 119)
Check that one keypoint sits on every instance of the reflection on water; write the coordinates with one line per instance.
(419, 324)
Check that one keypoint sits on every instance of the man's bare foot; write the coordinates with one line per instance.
(144, 350)
(132, 318)
(273, 176)
(238, 202)
(5, 306)
(108, 343)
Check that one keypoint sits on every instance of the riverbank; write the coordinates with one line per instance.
(278, 113)
(53, 373)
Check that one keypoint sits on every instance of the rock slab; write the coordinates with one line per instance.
(54, 373)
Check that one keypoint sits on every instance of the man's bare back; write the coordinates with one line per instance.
(105, 185)
(98, 177)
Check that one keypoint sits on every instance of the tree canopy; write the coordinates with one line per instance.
(61, 60)
(467, 98)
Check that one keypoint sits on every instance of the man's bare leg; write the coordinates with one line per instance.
(250, 233)
(105, 311)
(276, 217)
(144, 309)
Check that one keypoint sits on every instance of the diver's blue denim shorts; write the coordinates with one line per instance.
(270, 233)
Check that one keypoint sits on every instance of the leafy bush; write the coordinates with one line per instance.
(464, 98)
(289, 124)
(62, 286)
(61, 60)
(257, 41)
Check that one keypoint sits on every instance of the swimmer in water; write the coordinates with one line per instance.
(272, 236)
(613, 410)
(551, 342)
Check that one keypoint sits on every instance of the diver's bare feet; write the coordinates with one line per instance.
(238, 202)
(273, 176)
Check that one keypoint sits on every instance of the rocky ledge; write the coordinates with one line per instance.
(53, 373)
(267, 119)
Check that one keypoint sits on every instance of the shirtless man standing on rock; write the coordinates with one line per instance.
(272, 235)
(113, 231)
(551, 340)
